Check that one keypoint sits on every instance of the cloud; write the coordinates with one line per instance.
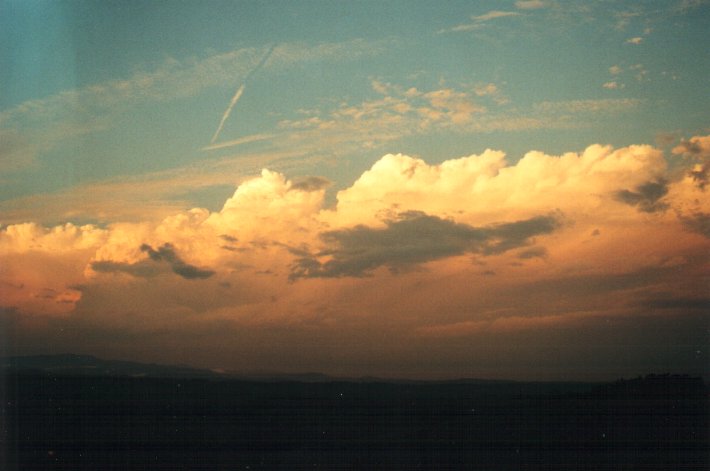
(167, 254)
(414, 259)
(239, 92)
(489, 189)
(227, 112)
(608, 105)
(533, 252)
(493, 14)
(492, 90)
(479, 21)
(681, 303)
(640, 72)
(696, 146)
(150, 196)
(16, 150)
(530, 4)
(39, 125)
(140, 269)
(613, 85)
(240, 141)
(697, 149)
(646, 197)
(635, 40)
(698, 222)
(413, 238)
(311, 184)
(41, 267)
(347, 128)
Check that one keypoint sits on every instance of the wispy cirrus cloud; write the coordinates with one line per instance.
(479, 21)
(41, 124)
(402, 111)
(530, 4)
(604, 105)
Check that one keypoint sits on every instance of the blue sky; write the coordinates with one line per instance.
(540, 57)
(532, 149)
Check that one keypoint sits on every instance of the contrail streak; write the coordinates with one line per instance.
(236, 142)
(239, 92)
(234, 101)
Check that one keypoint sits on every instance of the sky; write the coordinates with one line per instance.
(411, 189)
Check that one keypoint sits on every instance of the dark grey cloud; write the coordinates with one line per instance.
(698, 222)
(513, 235)
(311, 184)
(413, 238)
(149, 268)
(692, 148)
(532, 252)
(685, 304)
(647, 197)
(166, 253)
(701, 171)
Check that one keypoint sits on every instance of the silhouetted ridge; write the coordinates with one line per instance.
(58, 419)
(88, 365)
(654, 385)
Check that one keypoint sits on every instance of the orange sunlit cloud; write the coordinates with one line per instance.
(274, 249)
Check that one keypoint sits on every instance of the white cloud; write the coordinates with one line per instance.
(608, 105)
(402, 111)
(491, 15)
(480, 20)
(635, 40)
(530, 4)
(492, 90)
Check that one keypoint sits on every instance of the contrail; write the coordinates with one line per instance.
(239, 92)
(236, 142)
(234, 101)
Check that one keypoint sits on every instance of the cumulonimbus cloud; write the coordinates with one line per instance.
(577, 211)
(411, 258)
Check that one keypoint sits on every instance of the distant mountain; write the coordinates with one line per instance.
(654, 385)
(87, 365)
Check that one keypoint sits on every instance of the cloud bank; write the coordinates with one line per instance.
(473, 248)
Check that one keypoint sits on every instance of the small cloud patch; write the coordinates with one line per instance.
(646, 197)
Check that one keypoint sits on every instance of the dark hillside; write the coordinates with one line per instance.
(113, 423)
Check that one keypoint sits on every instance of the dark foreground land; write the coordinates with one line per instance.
(74, 422)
